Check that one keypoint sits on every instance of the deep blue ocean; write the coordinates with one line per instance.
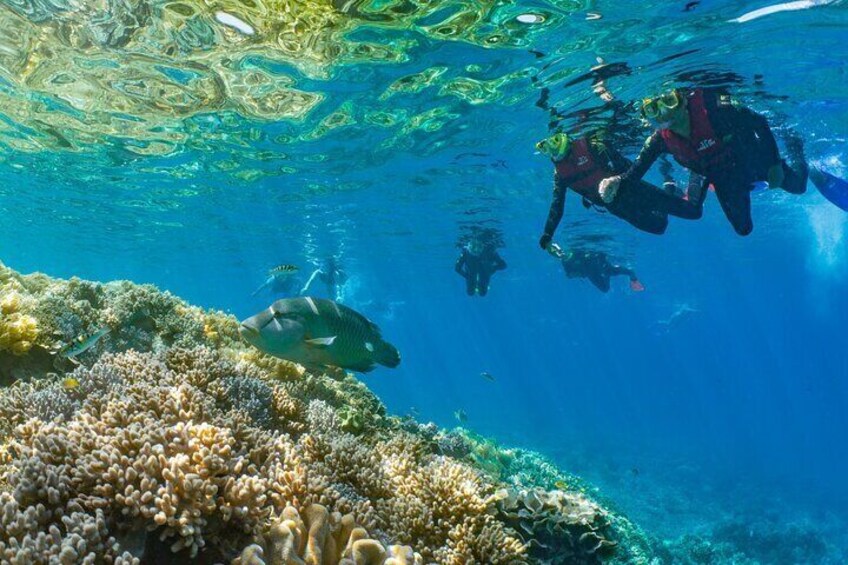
(719, 392)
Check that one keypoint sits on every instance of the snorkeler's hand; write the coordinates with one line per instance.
(775, 176)
(608, 188)
(545, 241)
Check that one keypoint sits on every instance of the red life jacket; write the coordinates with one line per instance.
(703, 152)
(581, 171)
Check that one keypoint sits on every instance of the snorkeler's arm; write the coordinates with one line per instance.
(265, 285)
(618, 161)
(305, 288)
(557, 207)
(459, 266)
(651, 151)
(498, 262)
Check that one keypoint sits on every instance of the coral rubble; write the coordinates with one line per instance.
(173, 442)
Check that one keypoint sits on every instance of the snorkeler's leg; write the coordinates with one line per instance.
(635, 284)
(470, 283)
(735, 200)
(483, 283)
(645, 219)
(615, 270)
(600, 280)
(666, 203)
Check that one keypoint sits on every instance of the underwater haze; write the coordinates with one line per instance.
(195, 145)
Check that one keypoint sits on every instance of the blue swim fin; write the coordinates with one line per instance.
(831, 187)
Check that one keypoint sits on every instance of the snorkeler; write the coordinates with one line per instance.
(731, 146)
(477, 263)
(333, 277)
(594, 266)
(582, 164)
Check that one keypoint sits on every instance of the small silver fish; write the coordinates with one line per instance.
(488, 376)
(81, 345)
(460, 416)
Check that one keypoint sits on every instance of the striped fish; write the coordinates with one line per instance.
(287, 268)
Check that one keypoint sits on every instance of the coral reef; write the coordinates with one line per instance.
(173, 442)
(755, 539)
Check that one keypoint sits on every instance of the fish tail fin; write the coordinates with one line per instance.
(386, 354)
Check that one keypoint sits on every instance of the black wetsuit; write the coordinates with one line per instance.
(477, 270)
(596, 267)
(641, 204)
(754, 151)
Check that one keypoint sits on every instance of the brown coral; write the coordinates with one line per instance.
(322, 538)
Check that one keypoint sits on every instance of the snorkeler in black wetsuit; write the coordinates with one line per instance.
(596, 267)
(581, 165)
(476, 264)
(732, 147)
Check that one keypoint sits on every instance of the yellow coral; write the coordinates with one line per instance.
(10, 303)
(210, 332)
(18, 333)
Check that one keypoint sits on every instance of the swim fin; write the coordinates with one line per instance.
(831, 187)
(636, 286)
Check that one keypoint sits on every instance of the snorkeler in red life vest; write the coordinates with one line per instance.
(582, 164)
(731, 147)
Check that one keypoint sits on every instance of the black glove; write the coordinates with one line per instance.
(545, 241)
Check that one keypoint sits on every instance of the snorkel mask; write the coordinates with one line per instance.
(556, 146)
(663, 110)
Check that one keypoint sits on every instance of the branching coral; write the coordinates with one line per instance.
(197, 450)
(153, 443)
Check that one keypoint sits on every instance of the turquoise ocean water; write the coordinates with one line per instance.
(163, 143)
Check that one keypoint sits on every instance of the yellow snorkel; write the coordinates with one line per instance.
(556, 146)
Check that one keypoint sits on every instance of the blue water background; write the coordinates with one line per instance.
(738, 402)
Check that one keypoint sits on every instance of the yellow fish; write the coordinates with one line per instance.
(70, 383)
(561, 485)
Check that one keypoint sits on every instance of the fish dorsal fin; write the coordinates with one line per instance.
(321, 341)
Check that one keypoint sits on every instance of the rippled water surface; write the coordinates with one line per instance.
(194, 144)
